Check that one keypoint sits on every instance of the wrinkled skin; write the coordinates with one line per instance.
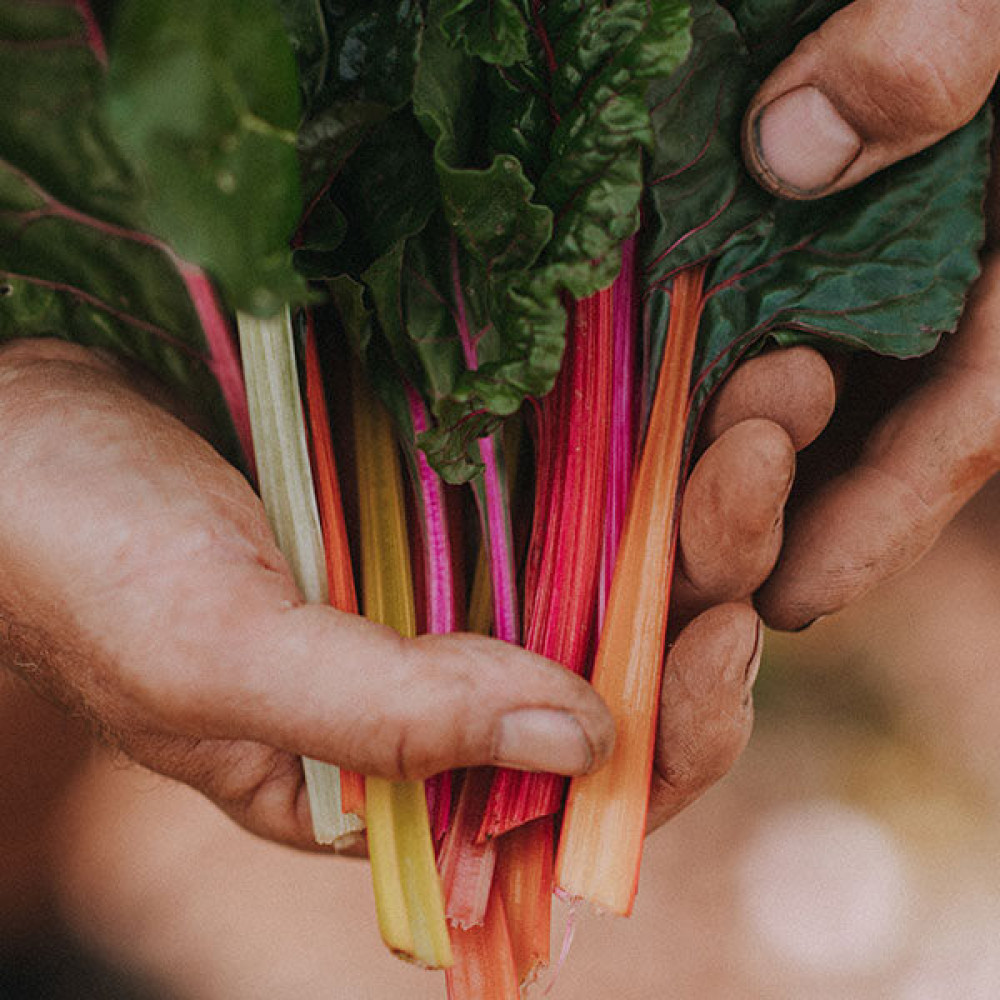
(880, 484)
(143, 591)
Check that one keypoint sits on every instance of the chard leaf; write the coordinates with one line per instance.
(582, 139)
(884, 267)
(357, 62)
(471, 301)
(73, 263)
(494, 30)
(78, 259)
(203, 98)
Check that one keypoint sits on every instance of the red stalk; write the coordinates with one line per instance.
(340, 575)
(567, 538)
(524, 878)
(600, 844)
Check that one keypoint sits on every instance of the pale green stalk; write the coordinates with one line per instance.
(286, 487)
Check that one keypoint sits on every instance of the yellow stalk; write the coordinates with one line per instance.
(408, 895)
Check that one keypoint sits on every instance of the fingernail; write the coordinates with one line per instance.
(800, 144)
(542, 739)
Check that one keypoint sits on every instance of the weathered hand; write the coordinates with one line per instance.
(142, 589)
(881, 80)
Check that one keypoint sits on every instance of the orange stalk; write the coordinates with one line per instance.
(483, 968)
(524, 878)
(600, 845)
(339, 572)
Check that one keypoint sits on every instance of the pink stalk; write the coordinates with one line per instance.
(95, 40)
(467, 866)
(441, 614)
(467, 862)
(223, 361)
(620, 446)
(567, 535)
(491, 492)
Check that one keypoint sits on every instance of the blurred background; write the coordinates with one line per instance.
(852, 853)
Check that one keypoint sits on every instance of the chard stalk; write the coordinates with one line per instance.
(467, 860)
(600, 845)
(439, 583)
(490, 488)
(484, 967)
(339, 570)
(567, 535)
(408, 894)
(286, 488)
(622, 430)
(222, 361)
(524, 878)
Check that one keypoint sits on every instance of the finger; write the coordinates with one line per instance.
(879, 81)
(706, 710)
(352, 693)
(931, 454)
(793, 388)
(731, 516)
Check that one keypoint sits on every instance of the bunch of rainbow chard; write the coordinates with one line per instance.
(519, 237)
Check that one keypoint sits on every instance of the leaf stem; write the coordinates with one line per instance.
(277, 423)
(600, 844)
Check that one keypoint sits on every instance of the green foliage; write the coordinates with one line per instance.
(884, 267)
(75, 260)
(202, 98)
(451, 172)
(466, 247)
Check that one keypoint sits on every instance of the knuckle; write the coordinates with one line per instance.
(427, 726)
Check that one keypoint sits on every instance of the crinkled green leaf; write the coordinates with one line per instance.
(506, 241)
(494, 30)
(580, 100)
(203, 98)
(75, 260)
(883, 267)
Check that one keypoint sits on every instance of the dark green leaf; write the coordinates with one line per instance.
(354, 51)
(74, 260)
(884, 267)
(473, 304)
(204, 100)
(494, 30)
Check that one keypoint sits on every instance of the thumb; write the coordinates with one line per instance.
(879, 81)
(336, 687)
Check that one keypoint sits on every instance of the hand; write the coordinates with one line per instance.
(880, 80)
(142, 589)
